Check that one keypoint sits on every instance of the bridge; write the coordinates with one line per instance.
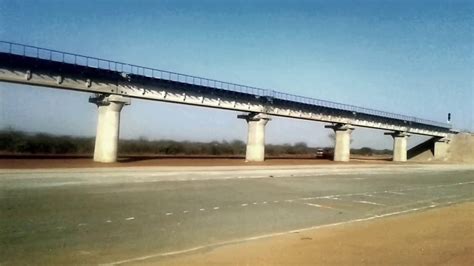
(115, 83)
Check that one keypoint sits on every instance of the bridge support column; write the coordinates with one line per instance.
(342, 142)
(441, 148)
(256, 136)
(108, 125)
(400, 141)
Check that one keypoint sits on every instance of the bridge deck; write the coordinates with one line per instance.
(142, 82)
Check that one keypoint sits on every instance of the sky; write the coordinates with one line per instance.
(408, 57)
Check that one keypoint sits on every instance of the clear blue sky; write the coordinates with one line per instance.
(409, 57)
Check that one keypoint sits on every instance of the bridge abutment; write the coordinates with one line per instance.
(342, 142)
(400, 143)
(441, 148)
(255, 151)
(108, 126)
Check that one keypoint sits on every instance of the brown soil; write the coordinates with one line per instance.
(50, 161)
(437, 237)
(461, 148)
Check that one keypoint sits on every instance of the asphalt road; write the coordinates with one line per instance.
(127, 216)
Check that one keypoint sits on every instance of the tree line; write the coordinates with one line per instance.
(19, 142)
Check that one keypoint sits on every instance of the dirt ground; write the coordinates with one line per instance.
(437, 237)
(45, 161)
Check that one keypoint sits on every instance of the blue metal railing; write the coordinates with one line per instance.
(98, 63)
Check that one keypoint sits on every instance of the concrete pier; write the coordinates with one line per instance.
(108, 126)
(441, 148)
(342, 142)
(400, 141)
(256, 136)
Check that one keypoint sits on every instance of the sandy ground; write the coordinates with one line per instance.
(436, 237)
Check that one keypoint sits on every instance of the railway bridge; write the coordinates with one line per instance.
(114, 84)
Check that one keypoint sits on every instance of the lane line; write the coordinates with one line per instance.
(393, 192)
(366, 194)
(335, 196)
(374, 217)
(320, 206)
(368, 202)
(331, 198)
(427, 201)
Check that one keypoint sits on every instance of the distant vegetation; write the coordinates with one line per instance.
(18, 142)
(13, 141)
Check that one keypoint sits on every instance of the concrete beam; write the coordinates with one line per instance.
(160, 90)
(342, 143)
(256, 136)
(108, 126)
(400, 141)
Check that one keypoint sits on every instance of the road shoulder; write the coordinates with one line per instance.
(439, 236)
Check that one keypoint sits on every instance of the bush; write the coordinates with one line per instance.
(366, 151)
(13, 141)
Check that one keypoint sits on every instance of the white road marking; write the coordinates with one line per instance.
(314, 205)
(367, 194)
(425, 201)
(394, 192)
(320, 206)
(333, 198)
(130, 218)
(398, 191)
(368, 202)
(270, 235)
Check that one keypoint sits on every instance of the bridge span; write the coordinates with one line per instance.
(115, 83)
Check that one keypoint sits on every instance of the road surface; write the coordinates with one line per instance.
(120, 216)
